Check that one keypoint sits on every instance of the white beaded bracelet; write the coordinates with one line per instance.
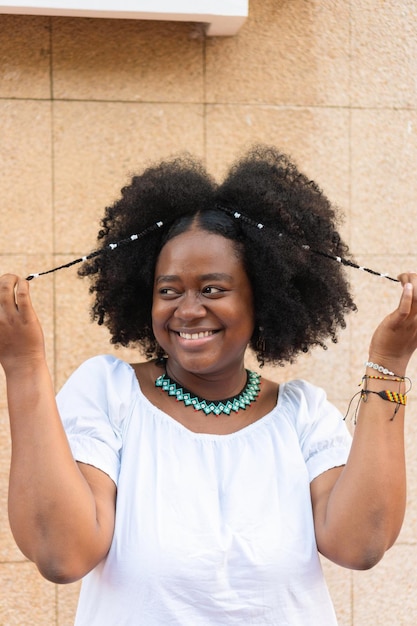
(379, 368)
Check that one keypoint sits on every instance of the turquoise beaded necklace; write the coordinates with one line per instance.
(248, 395)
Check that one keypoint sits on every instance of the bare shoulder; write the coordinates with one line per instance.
(269, 395)
(146, 373)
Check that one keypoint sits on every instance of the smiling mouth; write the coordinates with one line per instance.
(201, 335)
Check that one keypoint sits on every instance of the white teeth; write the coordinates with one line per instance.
(206, 333)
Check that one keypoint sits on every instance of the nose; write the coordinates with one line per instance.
(190, 307)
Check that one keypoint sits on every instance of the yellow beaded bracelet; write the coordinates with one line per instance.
(386, 394)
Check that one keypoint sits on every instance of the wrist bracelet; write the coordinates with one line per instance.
(391, 396)
(399, 399)
(393, 379)
(379, 368)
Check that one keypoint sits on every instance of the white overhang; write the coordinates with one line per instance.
(221, 17)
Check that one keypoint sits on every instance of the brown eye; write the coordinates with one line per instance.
(167, 291)
(210, 290)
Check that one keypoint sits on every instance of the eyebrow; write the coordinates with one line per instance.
(172, 278)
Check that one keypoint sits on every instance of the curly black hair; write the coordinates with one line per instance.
(300, 297)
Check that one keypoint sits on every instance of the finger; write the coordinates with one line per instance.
(7, 286)
(22, 297)
(407, 277)
(404, 310)
(14, 296)
(406, 300)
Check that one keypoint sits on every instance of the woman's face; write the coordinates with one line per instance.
(202, 310)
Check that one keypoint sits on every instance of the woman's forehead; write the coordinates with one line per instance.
(197, 246)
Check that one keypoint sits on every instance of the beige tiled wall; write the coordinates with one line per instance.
(85, 102)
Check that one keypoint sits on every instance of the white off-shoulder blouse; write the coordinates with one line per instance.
(211, 530)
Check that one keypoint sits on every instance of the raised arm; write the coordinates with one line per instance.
(359, 509)
(61, 513)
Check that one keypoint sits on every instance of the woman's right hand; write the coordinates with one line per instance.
(21, 336)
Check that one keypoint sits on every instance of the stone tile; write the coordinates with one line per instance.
(78, 339)
(26, 597)
(67, 599)
(316, 139)
(339, 582)
(291, 53)
(8, 549)
(408, 532)
(25, 57)
(3, 397)
(25, 176)
(386, 594)
(384, 154)
(97, 146)
(127, 60)
(384, 53)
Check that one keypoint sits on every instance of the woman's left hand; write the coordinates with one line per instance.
(395, 339)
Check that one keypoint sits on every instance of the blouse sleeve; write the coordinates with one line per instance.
(323, 435)
(93, 404)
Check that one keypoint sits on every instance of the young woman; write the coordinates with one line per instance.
(186, 489)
